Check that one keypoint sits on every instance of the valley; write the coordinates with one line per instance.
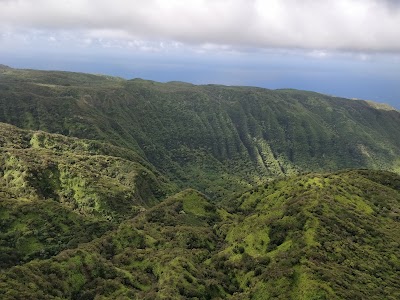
(135, 189)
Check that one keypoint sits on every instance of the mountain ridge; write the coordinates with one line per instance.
(134, 189)
(240, 134)
(375, 104)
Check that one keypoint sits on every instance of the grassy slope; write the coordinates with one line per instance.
(56, 192)
(66, 204)
(329, 236)
(217, 139)
(161, 254)
(315, 236)
(86, 175)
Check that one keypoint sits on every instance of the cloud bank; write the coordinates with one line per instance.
(348, 25)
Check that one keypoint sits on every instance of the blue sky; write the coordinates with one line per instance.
(348, 48)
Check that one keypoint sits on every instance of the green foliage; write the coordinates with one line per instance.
(161, 254)
(220, 140)
(89, 177)
(42, 229)
(58, 192)
(297, 242)
(327, 236)
(86, 180)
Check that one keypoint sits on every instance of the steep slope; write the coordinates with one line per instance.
(40, 229)
(57, 192)
(88, 176)
(315, 236)
(82, 181)
(161, 254)
(217, 139)
(329, 236)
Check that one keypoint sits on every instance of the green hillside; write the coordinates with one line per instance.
(87, 176)
(217, 139)
(57, 192)
(316, 236)
(323, 236)
(134, 189)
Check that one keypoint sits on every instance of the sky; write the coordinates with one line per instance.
(347, 48)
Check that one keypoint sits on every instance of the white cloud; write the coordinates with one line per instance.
(353, 25)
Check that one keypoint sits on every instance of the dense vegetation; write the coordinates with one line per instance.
(216, 139)
(116, 189)
(57, 192)
(329, 236)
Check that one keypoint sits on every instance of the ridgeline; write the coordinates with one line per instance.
(134, 189)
